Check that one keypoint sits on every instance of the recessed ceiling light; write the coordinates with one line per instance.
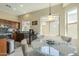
(14, 8)
(21, 5)
(27, 15)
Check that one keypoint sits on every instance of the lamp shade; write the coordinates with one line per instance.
(50, 17)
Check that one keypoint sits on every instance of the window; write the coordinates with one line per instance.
(49, 27)
(54, 27)
(71, 23)
(25, 25)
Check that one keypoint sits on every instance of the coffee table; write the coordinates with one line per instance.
(57, 49)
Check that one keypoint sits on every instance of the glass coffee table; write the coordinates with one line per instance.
(56, 49)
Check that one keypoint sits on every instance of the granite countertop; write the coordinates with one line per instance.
(5, 34)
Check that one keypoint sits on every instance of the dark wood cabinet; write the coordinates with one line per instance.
(3, 47)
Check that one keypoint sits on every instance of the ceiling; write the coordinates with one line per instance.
(22, 8)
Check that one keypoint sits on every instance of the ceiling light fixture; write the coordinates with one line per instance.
(50, 17)
(27, 15)
(14, 8)
(21, 5)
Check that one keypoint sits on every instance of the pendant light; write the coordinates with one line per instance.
(50, 14)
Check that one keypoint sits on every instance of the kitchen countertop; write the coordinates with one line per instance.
(5, 33)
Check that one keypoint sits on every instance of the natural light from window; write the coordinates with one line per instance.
(71, 23)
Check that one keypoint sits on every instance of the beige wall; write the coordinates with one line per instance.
(7, 16)
(75, 42)
(59, 10)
